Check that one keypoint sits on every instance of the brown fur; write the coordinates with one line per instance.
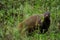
(34, 22)
(30, 24)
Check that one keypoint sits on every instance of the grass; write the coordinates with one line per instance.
(17, 11)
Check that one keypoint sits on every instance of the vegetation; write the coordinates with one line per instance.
(12, 12)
